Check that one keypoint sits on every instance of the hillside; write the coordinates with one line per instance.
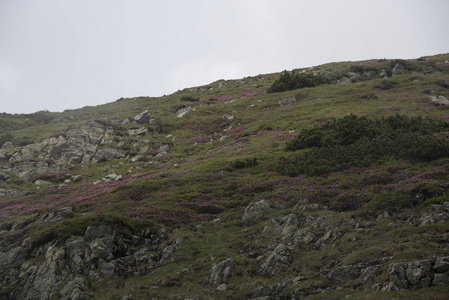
(329, 182)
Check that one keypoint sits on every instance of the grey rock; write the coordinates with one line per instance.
(4, 177)
(441, 265)
(107, 269)
(440, 100)
(107, 154)
(279, 259)
(137, 131)
(143, 117)
(253, 210)
(95, 232)
(286, 101)
(397, 69)
(221, 272)
(183, 111)
(7, 146)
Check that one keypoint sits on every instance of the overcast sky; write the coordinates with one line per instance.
(65, 54)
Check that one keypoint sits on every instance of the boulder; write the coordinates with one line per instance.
(137, 131)
(107, 154)
(181, 112)
(286, 101)
(221, 272)
(439, 100)
(253, 210)
(279, 259)
(143, 117)
(95, 232)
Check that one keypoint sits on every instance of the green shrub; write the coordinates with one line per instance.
(391, 201)
(189, 99)
(291, 81)
(244, 163)
(360, 142)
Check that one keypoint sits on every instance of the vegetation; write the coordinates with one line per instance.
(342, 157)
(354, 141)
(291, 81)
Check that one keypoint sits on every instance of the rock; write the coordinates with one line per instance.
(112, 177)
(7, 146)
(286, 101)
(228, 117)
(409, 275)
(440, 100)
(4, 177)
(137, 158)
(181, 112)
(222, 287)
(253, 210)
(107, 269)
(40, 182)
(273, 290)
(137, 131)
(277, 261)
(76, 178)
(397, 69)
(441, 265)
(383, 74)
(75, 289)
(107, 154)
(221, 272)
(168, 250)
(164, 148)
(118, 120)
(19, 181)
(95, 232)
(143, 117)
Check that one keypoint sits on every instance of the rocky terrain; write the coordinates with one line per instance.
(227, 191)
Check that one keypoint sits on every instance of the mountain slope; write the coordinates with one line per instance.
(187, 195)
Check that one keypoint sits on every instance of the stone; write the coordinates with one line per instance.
(286, 101)
(253, 210)
(397, 69)
(118, 120)
(107, 154)
(4, 177)
(143, 117)
(441, 265)
(183, 111)
(228, 117)
(95, 232)
(440, 100)
(7, 146)
(137, 131)
(221, 272)
(279, 259)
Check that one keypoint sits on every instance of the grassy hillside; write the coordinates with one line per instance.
(237, 146)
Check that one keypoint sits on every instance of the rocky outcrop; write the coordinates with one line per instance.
(79, 144)
(253, 210)
(221, 272)
(103, 252)
(416, 274)
(277, 261)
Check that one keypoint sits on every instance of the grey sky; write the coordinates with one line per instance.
(65, 54)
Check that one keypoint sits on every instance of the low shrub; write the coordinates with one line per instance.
(244, 163)
(189, 99)
(291, 81)
(355, 141)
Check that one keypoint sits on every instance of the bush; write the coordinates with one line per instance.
(189, 99)
(241, 164)
(360, 142)
(291, 81)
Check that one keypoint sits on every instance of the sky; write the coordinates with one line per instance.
(67, 54)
